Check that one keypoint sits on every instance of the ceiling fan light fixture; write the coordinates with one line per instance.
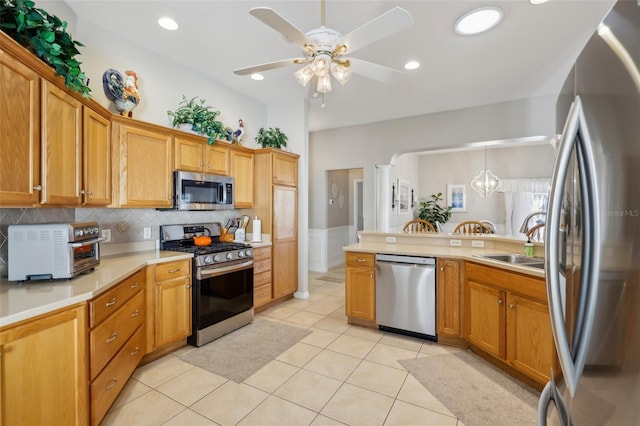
(342, 74)
(304, 75)
(478, 20)
(324, 83)
(321, 64)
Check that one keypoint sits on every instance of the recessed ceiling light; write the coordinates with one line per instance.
(257, 76)
(538, 1)
(168, 24)
(411, 65)
(478, 20)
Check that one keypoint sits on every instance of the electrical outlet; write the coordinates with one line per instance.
(106, 235)
(391, 239)
(477, 243)
(147, 233)
(455, 243)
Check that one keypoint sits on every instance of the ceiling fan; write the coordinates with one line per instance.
(325, 50)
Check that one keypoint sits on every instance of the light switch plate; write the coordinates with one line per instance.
(477, 243)
(147, 233)
(106, 235)
(455, 243)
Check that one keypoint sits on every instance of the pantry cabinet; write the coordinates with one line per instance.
(360, 286)
(44, 372)
(448, 297)
(506, 316)
(193, 153)
(142, 164)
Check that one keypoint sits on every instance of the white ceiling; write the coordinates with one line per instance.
(528, 54)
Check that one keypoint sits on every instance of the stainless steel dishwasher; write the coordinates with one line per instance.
(406, 295)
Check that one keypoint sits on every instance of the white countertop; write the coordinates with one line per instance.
(20, 301)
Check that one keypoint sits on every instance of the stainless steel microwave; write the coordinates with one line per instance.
(202, 191)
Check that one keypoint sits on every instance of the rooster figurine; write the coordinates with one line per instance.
(122, 91)
(239, 134)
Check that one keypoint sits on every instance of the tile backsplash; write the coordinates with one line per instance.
(127, 225)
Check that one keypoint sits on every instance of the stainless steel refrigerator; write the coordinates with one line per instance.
(592, 239)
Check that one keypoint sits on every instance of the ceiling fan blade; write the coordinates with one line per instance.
(375, 71)
(389, 23)
(278, 23)
(268, 66)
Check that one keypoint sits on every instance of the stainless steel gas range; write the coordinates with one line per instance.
(222, 272)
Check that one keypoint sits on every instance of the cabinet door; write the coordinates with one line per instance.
(285, 268)
(20, 141)
(44, 373)
(188, 154)
(96, 159)
(285, 170)
(486, 318)
(448, 298)
(145, 171)
(285, 240)
(360, 293)
(242, 172)
(61, 147)
(172, 310)
(530, 346)
(217, 159)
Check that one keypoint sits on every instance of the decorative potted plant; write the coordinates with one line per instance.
(201, 118)
(46, 36)
(432, 212)
(273, 138)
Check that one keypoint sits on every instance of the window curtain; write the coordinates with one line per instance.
(518, 198)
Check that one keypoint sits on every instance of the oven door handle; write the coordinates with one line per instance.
(204, 272)
(87, 243)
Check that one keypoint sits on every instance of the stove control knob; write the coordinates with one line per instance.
(208, 259)
(216, 258)
(229, 256)
(79, 233)
(248, 252)
(240, 253)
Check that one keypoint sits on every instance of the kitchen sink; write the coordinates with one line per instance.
(515, 259)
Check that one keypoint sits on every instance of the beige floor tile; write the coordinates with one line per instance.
(365, 333)
(351, 345)
(330, 288)
(299, 354)
(320, 338)
(403, 414)
(191, 385)
(296, 303)
(333, 364)
(378, 378)
(322, 307)
(436, 349)
(275, 411)
(414, 393)
(339, 313)
(389, 355)
(160, 371)
(316, 296)
(335, 325)
(229, 403)
(304, 318)
(321, 420)
(132, 390)
(356, 406)
(404, 342)
(189, 418)
(152, 408)
(280, 312)
(309, 389)
(272, 376)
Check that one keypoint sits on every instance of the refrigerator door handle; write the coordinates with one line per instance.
(550, 393)
(575, 130)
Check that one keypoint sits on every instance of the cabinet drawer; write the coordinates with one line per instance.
(361, 260)
(261, 279)
(107, 386)
(261, 253)
(170, 270)
(261, 266)
(106, 339)
(261, 295)
(109, 302)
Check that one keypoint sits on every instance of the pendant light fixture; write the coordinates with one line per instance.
(486, 183)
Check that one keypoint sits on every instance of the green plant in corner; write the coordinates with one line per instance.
(201, 117)
(434, 213)
(46, 36)
(273, 138)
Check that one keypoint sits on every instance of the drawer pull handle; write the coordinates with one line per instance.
(113, 337)
(110, 302)
(135, 351)
(499, 301)
(173, 271)
(135, 314)
(136, 285)
(511, 305)
(112, 383)
(188, 286)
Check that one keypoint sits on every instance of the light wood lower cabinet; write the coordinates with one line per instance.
(360, 286)
(261, 276)
(43, 370)
(448, 297)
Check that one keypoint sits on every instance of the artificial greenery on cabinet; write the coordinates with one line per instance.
(271, 138)
(201, 117)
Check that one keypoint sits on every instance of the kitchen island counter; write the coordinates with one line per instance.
(24, 300)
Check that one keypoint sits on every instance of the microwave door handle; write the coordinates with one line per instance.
(87, 243)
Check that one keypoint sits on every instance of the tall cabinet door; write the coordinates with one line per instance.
(448, 294)
(61, 147)
(96, 158)
(285, 238)
(486, 318)
(242, 172)
(20, 141)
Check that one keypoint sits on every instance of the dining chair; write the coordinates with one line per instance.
(472, 227)
(418, 225)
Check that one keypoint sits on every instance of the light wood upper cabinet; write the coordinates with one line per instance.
(44, 373)
(242, 172)
(96, 159)
(285, 170)
(196, 155)
(20, 141)
(449, 295)
(61, 147)
(143, 164)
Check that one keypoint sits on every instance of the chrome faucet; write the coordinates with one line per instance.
(525, 225)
